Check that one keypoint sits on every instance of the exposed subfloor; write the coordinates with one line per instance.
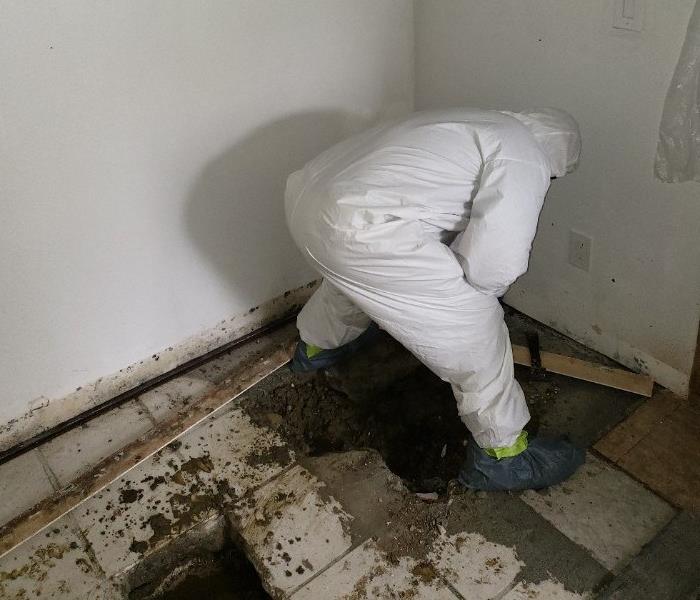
(314, 478)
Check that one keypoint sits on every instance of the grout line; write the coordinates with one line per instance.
(48, 471)
(251, 490)
(509, 588)
(642, 437)
(87, 547)
(146, 410)
(278, 475)
(50, 476)
(619, 468)
(354, 547)
(631, 449)
(452, 588)
(327, 567)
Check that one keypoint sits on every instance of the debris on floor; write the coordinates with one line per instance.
(339, 485)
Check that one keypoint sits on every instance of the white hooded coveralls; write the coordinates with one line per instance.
(375, 214)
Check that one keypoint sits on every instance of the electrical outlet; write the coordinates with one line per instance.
(579, 250)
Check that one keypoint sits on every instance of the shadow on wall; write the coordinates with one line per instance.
(235, 209)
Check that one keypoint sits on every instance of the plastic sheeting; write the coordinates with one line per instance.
(678, 151)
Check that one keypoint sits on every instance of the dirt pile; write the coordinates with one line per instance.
(412, 422)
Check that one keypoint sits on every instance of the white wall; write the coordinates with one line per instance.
(640, 301)
(144, 147)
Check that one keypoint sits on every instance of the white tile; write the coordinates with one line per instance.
(173, 398)
(77, 451)
(145, 509)
(243, 455)
(217, 461)
(544, 590)
(366, 573)
(603, 510)
(52, 564)
(23, 483)
(219, 369)
(476, 568)
(292, 529)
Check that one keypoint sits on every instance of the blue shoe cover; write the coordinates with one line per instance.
(545, 462)
(301, 363)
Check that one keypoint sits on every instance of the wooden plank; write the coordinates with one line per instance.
(587, 371)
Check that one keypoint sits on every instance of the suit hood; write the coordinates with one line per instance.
(558, 135)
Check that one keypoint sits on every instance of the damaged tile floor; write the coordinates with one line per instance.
(312, 480)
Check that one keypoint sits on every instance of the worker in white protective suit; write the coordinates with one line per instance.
(420, 226)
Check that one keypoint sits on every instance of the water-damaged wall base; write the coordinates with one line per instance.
(606, 343)
(45, 413)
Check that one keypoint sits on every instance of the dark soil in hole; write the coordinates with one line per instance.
(386, 400)
(226, 575)
(412, 422)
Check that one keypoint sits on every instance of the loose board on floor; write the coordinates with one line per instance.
(588, 371)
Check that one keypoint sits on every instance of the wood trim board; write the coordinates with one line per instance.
(620, 379)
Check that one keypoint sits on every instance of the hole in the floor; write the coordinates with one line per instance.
(222, 575)
(383, 400)
(412, 422)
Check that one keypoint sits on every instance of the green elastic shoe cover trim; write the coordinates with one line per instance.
(312, 350)
(509, 451)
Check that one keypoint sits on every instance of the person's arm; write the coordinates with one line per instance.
(495, 247)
